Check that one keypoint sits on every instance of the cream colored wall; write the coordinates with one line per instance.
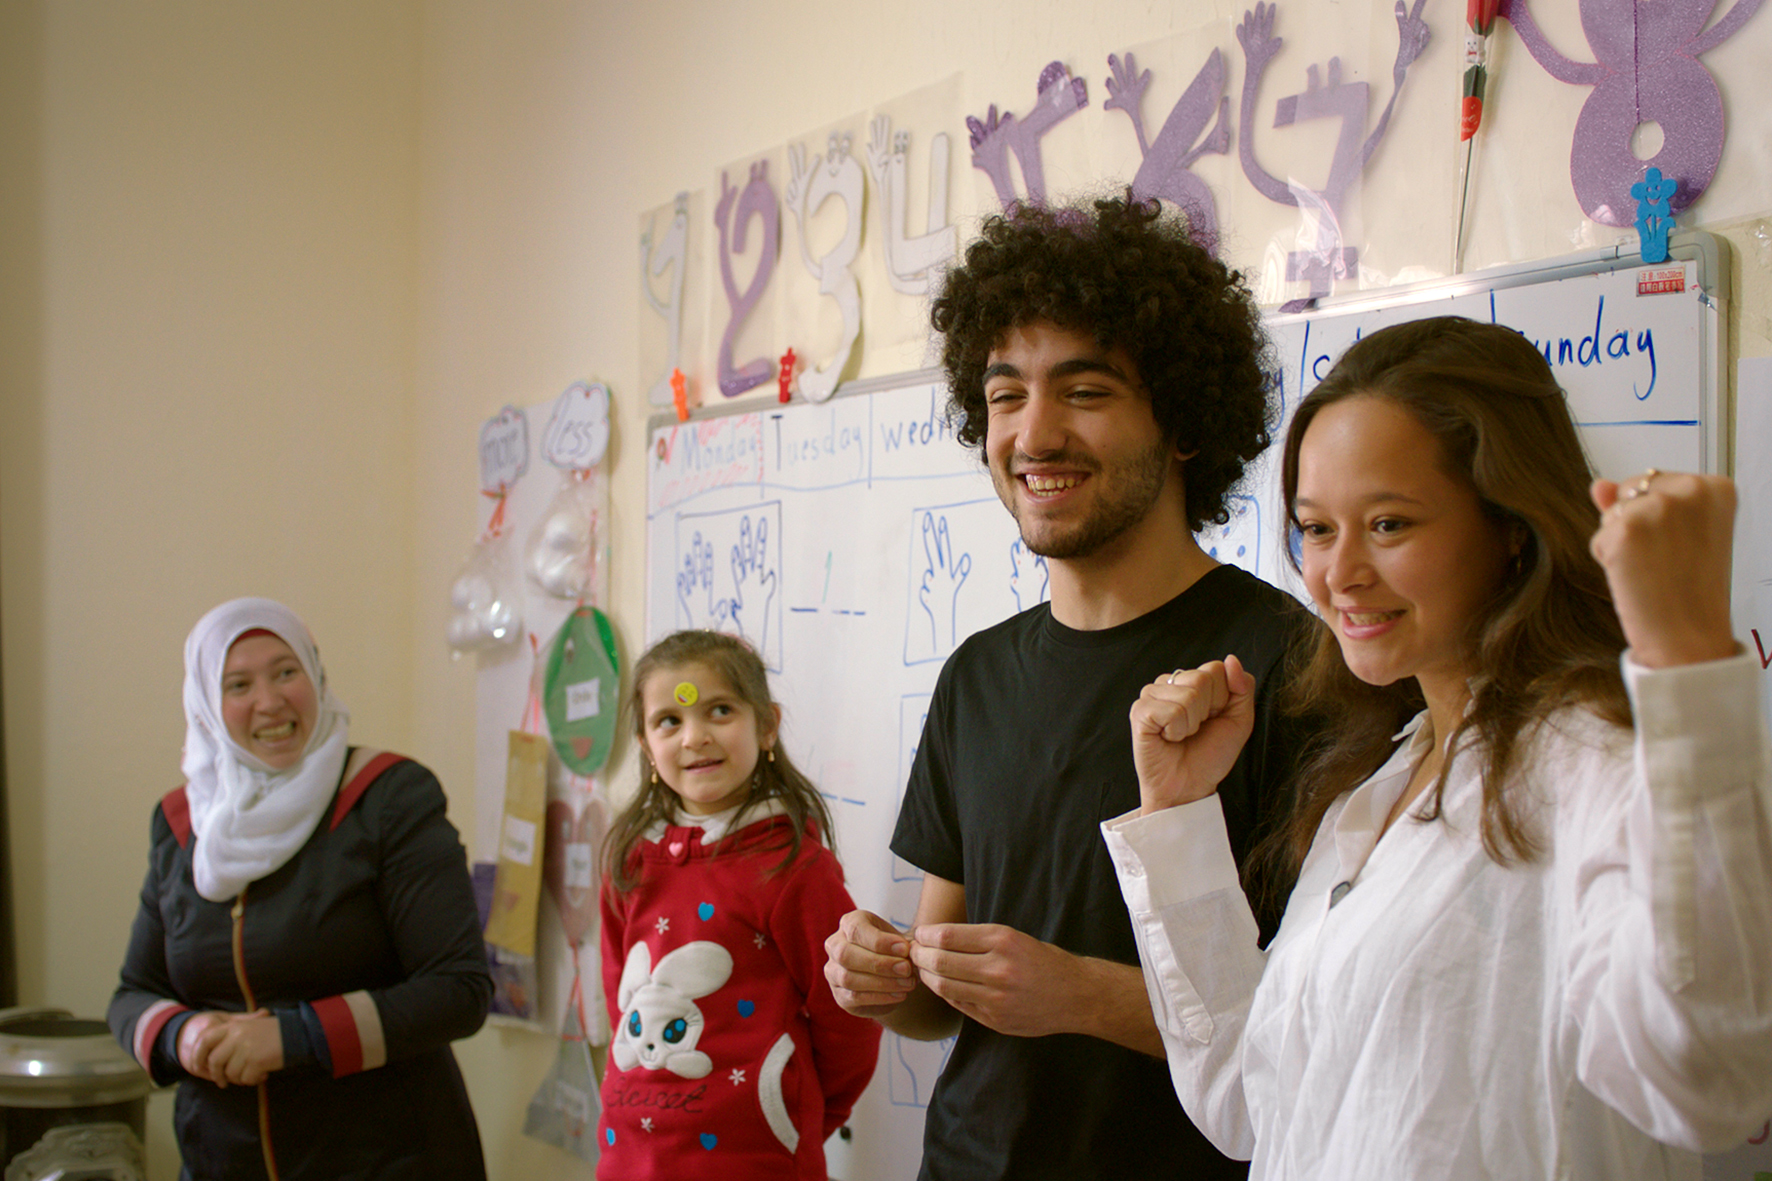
(210, 394)
(265, 267)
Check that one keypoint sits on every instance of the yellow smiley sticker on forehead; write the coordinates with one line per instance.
(686, 693)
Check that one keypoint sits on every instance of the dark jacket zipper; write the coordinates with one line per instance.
(264, 1095)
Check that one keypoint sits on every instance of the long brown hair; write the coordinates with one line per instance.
(1548, 638)
(775, 779)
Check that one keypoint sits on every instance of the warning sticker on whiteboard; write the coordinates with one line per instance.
(1661, 280)
(581, 699)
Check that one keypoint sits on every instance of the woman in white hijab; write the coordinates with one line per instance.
(307, 944)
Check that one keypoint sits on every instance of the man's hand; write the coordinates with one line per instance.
(1022, 987)
(868, 965)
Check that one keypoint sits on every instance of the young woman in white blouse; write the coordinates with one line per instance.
(1525, 940)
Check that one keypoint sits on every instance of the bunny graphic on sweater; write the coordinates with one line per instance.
(660, 1022)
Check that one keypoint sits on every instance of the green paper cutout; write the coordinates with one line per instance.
(581, 690)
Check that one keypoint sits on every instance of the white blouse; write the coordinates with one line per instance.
(1603, 1011)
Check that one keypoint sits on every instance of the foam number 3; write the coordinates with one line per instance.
(837, 175)
(1646, 70)
(756, 201)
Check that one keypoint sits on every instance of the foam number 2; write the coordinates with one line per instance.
(504, 450)
(835, 174)
(757, 200)
(577, 433)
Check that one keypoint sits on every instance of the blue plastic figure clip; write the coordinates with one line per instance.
(1655, 219)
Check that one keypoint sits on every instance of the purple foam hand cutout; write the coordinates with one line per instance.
(1646, 70)
(757, 200)
(1165, 171)
(995, 137)
(1325, 96)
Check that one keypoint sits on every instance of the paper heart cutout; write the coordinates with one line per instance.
(575, 900)
(705, 910)
(746, 1008)
(708, 1140)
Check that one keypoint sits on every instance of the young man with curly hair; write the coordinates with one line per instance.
(1109, 370)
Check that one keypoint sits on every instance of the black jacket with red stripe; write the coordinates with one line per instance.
(372, 924)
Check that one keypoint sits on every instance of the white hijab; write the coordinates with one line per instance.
(249, 819)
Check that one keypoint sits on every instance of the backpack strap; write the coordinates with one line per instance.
(363, 768)
(177, 810)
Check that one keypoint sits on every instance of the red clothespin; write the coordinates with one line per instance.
(680, 394)
(787, 373)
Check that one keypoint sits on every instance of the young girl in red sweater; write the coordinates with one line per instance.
(729, 1059)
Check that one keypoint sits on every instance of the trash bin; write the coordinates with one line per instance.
(57, 1069)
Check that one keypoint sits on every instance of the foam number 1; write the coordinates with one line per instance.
(758, 201)
(669, 253)
(836, 174)
(504, 450)
(577, 433)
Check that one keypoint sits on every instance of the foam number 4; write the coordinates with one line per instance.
(837, 175)
(669, 253)
(756, 201)
(909, 260)
(504, 450)
(577, 434)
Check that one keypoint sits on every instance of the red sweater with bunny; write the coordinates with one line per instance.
(730, 1059)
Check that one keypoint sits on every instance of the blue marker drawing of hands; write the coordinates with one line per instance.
(752, 565)
(943, 575)
(1029, 579)
(697, 574)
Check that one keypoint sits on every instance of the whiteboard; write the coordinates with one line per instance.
(855, 543)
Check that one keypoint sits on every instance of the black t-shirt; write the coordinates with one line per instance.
(1027, 749)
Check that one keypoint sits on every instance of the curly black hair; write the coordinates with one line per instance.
(1133, 277)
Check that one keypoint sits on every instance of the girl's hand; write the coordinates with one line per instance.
(1664, 541)
(1187, 730)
